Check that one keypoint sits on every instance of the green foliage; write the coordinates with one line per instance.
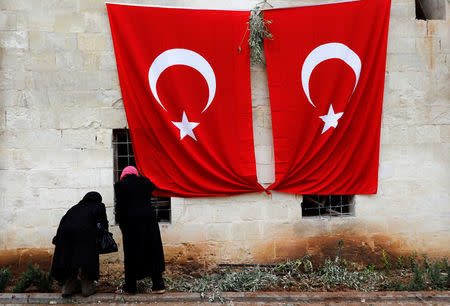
(5, 275)
(370, 268)
(258, 31)
(295, 267)
(412, 259)
(34, 276)
(435, 277)
(418, 282)
(334, 273)
(385, 261)
(401, 262)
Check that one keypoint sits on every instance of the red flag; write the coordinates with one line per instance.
(186, 92)
(326, 66)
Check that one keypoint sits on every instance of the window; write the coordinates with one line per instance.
(123, 156)
(327, 205)
(430, 9)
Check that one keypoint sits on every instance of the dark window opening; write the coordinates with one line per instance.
(327, 205)
(430, 9)
(123, 156)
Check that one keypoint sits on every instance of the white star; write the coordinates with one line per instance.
(186, 127)
(330, 119)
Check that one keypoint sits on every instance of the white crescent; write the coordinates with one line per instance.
(325, 52)
(182, 57)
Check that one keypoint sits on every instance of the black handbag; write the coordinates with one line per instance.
(105, 241)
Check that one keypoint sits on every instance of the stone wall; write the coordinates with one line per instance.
(60, 100)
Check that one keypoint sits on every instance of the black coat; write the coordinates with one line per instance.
(142, 246)
(75, 239)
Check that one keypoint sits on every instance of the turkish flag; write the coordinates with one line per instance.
(326, 69)
(186, 90)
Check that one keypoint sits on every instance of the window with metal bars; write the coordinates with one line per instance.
(430, 9)
(123, 156)
(328, 205)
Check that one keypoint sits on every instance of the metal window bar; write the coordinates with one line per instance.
(124, 156)
(327, 205)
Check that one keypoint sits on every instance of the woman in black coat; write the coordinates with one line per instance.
(142, 244)
(75, 245)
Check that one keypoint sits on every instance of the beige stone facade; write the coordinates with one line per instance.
(60, 99)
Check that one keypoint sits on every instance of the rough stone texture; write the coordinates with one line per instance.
(60, 99)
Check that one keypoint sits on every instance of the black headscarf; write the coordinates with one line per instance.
(92, 197)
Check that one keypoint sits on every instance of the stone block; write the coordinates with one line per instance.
(56, 216)
(403, 169)
(418, 113)
(31, 138)
(91, 60)
(265, 173)
(83, 99)
(277, 230)
(55, 199)
(17, 5)
(348, 226)
(427, 48)
(12, 79)
(408, 81)
(444, 133)
(78, 139)
(92, 42)
(113, 118)
(403, 10)
(103, 138)
(264, 155)
(276, 210)
(21, 118)
(402, 134)
(106, 176)
(192, 233)
(14, 59)
(438, 28)
(37, 40)
(251, 211)
(31, 218)
(96, 21)
(311, 227)
(94, 158)
(290, 248)
(407, 28)
(2, 120)
(386, 170)
(259, 84)
(108, 61)
(79, 118)
(428, 134)
(69, 60)
(42, 20)
(440, 114)
(404, 62)
(9, 98)
(69, 22)
(14, 40)
(401, 45)
(225, 213)
(196, 214)
(218, 232)
(42, 61)
(61, 42)
(251, 230)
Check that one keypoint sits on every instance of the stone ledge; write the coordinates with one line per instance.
(240, 297)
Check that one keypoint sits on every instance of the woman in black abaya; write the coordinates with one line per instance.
(142, 244)
(75, 245)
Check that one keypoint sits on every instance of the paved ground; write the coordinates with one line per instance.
(240, 298)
